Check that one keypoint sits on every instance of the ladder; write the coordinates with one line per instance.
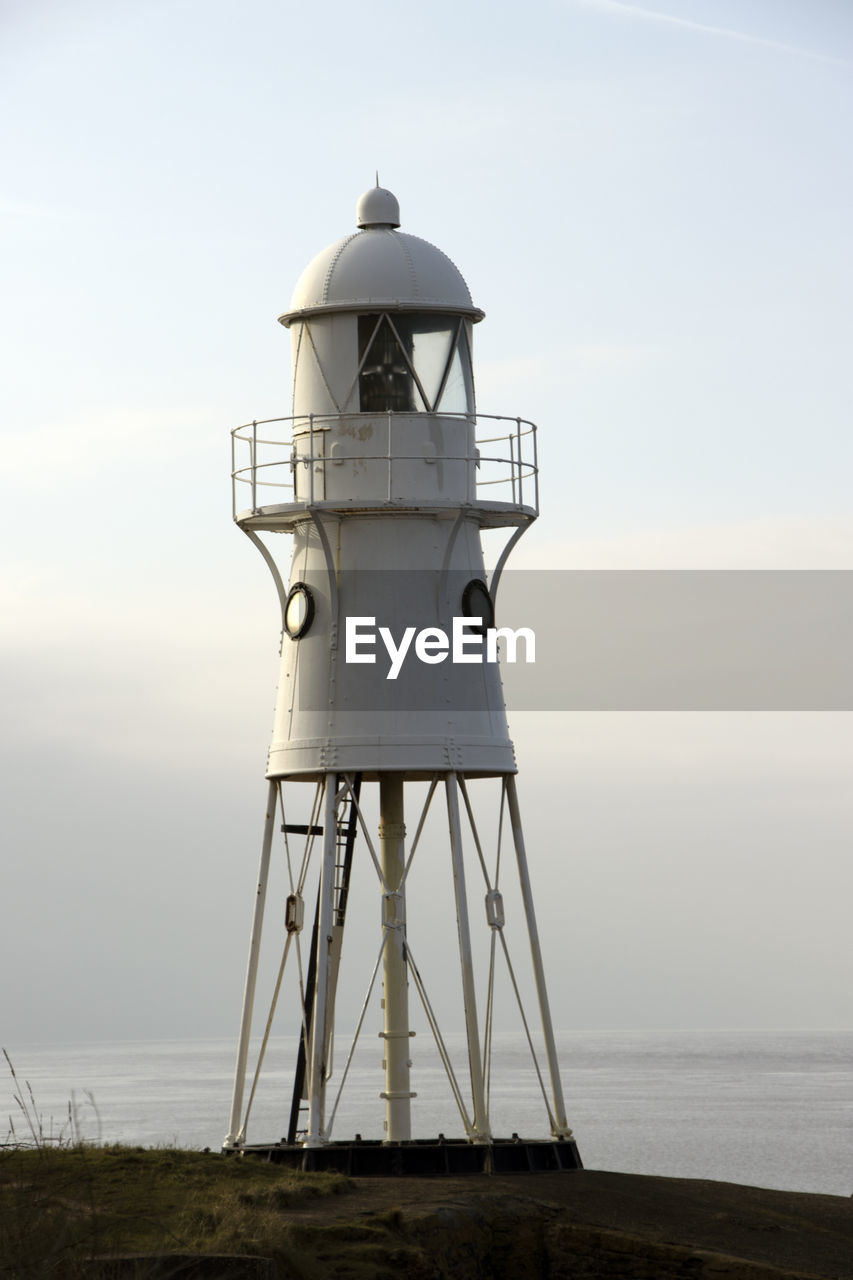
(346, 827)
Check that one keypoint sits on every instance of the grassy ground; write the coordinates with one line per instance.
(61, 1210)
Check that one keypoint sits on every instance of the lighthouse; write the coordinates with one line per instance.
(390, 700)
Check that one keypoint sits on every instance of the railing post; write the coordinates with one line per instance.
(390, 488)
(512, 465)
(311, 458)
(535, 468)
(254, 467)
(520, 465)
(233, 481)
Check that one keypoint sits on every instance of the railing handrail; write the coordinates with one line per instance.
(304, 458)
(518, 463)
(386, 413)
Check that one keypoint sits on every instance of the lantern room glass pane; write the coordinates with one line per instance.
(385, 383)
(458, 393)
(409, 362)
(432, 339)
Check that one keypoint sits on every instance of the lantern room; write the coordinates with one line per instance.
(381, 321)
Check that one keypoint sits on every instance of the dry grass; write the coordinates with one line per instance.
(60, 1208)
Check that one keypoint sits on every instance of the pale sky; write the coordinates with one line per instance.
(653, 206)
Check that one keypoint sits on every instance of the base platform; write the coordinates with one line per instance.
(424, 1157)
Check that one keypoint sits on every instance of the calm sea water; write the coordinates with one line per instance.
(770, 1108)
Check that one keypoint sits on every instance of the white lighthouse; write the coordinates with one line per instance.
(385, 475)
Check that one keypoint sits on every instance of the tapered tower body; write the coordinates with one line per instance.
(385, 475)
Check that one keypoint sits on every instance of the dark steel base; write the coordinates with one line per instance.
(424, 1157)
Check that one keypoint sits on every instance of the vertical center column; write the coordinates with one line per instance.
(395, 978)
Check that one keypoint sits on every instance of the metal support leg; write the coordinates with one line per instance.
(319, 1037)
(235, 1135)
(481, 1119)
(395, 977)
(561, 1128)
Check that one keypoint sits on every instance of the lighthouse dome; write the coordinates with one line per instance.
(379, 268)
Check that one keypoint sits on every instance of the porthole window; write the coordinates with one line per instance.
(477, 605)
(298, 610)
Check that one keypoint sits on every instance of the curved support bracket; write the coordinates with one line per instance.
(272, 566)
(504, 556)
(334, 591)
(448, 551)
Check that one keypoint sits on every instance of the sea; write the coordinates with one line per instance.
(765, 1108)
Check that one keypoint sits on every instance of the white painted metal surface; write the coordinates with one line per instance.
(561, 1128)
(484, 462)
(236, 1130)
(472, 1026)
(323, 996)
(396, 1031)
(378, 268)
(378, 207)
(385, 475)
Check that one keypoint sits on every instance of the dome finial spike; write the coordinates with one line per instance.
(377, 177)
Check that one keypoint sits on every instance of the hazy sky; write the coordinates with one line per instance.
(653, 206)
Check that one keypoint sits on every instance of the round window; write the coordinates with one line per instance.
(477, 605)
(298, 610)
